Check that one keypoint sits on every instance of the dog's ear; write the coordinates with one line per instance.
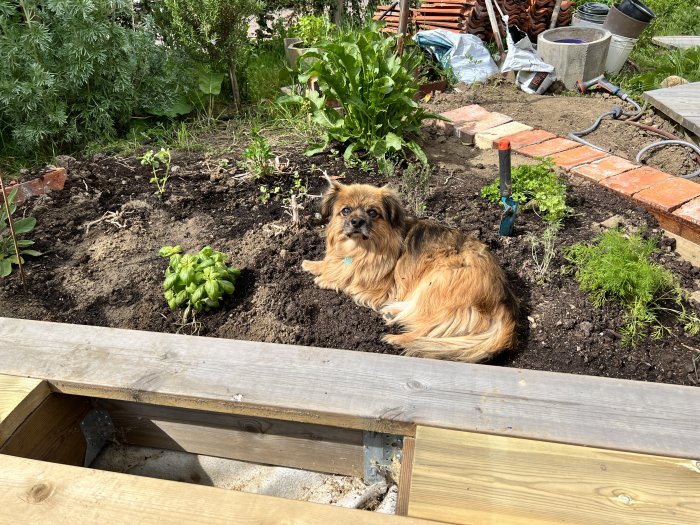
(330, 197)
(393, 211)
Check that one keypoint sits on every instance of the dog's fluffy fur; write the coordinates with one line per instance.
(445, 289)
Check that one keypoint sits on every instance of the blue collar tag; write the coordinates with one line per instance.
(347, 261)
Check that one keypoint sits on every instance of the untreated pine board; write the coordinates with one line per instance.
(677, 42)
(409, 445)
(479, 479)
(247, 438)
(352, 389)
(41, 493)
(52, 432)
(19, 397)
(681, 103)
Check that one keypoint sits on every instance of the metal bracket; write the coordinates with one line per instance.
(380, 452)
(98, 429)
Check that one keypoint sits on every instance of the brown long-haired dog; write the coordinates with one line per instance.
(445, 289)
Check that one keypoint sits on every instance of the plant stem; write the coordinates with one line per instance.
(11, 224)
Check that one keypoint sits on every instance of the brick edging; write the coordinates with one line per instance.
(674, 201)
(53, 180)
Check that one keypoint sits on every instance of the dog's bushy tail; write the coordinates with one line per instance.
(470, 348)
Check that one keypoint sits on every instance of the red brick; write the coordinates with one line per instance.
(548, 148)
(604, 168)
(574, 157)
(467, 129)
(634, 181)
(526, 138)
(669, 194)
(55, 179)
(690, 211)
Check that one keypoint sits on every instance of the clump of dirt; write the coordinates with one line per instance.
(102, 233)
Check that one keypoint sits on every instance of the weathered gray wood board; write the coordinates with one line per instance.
(38, 493)
(247, 438)
(677, 42)
(352, 389)
(681, 103)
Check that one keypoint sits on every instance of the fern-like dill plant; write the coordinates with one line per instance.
(617, 268)
(537, 187)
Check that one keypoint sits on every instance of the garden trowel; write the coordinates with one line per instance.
(510, 207)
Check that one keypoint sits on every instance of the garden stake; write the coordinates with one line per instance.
(11, 224)
(510, 207)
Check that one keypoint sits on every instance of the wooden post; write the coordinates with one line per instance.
(338, 18)
(494, 28)
(555, 14)
(403, 24)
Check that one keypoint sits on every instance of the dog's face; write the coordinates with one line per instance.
(362, 212)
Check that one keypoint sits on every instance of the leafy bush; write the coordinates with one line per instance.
(214, 30)
(8, 254)
(198, 282)
(374, 89)
(617, 269)
(535, 186)
(312, 30)
(72, 72)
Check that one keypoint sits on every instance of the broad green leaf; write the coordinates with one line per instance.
(23, 243)
(226, 286)
(170, 281)
(33, 253)
(210, 82)
(212, 289)
(5, 267)
(417, 151)
(167, 251)
(24, 225)
(393, 141)
(290, 99)
(315, 149)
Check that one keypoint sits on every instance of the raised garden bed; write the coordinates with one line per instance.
(104, 269)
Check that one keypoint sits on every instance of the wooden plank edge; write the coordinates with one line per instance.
(409, 447)
(307, 446)
(28, 394)
(38, 492)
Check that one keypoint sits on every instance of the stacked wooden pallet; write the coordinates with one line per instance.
(471, 16)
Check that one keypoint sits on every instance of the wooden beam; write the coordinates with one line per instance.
(52, 432)
(467, 478)
(340, 388)
(409, 445)
(246, 438)
(19, 397)
(45, 493)
(681, 103)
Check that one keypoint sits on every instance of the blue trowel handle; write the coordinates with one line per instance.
(504, 166)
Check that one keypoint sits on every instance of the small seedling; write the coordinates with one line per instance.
(258, 157)
(12, 249)
(616, 268)
(535, 187)
(266, 193)
(547, 243)
(197, 282)
(154, 160)
(415, 187)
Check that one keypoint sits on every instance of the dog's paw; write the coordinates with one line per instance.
(313, 267)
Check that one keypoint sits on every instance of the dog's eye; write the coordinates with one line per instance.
(372, 213)
(345, 211)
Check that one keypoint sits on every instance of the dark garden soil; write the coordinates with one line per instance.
(102, 233)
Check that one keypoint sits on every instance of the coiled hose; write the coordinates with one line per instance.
(616, 112)
(675, 143)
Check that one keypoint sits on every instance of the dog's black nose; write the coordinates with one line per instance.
(357, 222)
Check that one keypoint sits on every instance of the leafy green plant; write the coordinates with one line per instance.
(374, 89)
(616, 268)
(154, 160)
(197, 282)
(535, 187)
(266, 193)
(75, 71)
(214, 31)
(312, 30)
(258, 158)
(23, 226)
(415, 187)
